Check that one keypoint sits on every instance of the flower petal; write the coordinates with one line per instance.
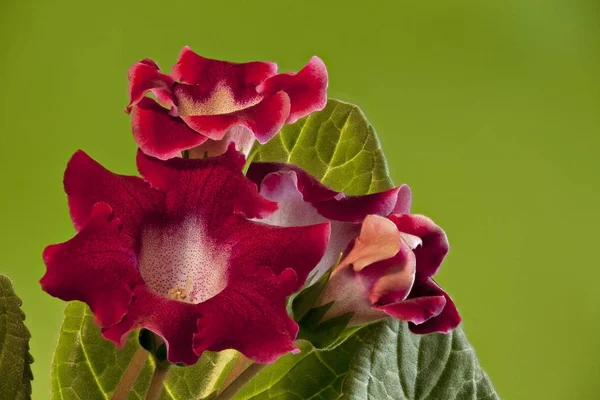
(329, 203)
(145, 76)
(390, 280)
(349, 294)
(378, 240)
(214, 187)
(293, 210)
(174, 321)
(194, 69)
(307, 89)
(98, 266)
(296, 248)
(404, 200)
(417, 310)
(445, 321)
(250, 316)
(264, 119)
(87, 183)
(159, 134)
(435, 243)
(242, 137)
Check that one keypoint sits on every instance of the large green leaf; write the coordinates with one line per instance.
(86, 366)
(15, 360)
(380, 362)
(393, 363)
(336, 145)
(385, 360)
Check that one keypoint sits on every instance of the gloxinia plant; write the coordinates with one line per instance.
(262, 253)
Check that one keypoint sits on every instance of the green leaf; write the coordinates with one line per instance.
(383, 361)
(336, 145)
(86, 366)
(380, 362)
(15, 360)
(393, 363)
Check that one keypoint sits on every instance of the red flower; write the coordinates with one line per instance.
(212, 103)
(390, 255)
(179, 256)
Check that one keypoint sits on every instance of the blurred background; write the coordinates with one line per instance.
(489, 110)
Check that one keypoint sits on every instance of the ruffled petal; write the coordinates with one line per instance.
(443, 322)
(293, 210)
(160, 135)
(174, 321)
(417, 310)
(214, 187)
(303, 200)
(98, 266)
(297, 248)
(329, 203)
(307, 89)
(87, 183)
(250, 316)
(194, 69)
(145, 76)
(264, 119)
(435, 243)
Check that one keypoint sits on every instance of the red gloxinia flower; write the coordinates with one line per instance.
(178, 254)
(387, 267)
(212, 103)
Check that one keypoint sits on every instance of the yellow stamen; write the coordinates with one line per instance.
(181, 293)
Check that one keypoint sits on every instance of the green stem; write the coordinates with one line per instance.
(250, 158)
(131, 373)
(240, 382)
(158, 382)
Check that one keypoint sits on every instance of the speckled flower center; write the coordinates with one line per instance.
(181, 262)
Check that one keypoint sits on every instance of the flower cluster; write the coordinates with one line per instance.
(205, 256)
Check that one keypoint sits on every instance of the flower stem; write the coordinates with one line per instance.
(131, 373)
(239, 366)
(158, 382)
(240, 382)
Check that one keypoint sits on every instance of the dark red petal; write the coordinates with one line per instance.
(311, 188)
(296, 248)
(159, 134)
(329, 203)
(264, 119)
(416, 310)
(145, 76)
(175, 321)
(250, 316)
(214, 188)
(307, 89)
(435, 243)
(194, 69)
(282, 187)
(87, 183)
(444, 322)
(98, 266)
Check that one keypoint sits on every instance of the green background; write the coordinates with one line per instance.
(490, 110)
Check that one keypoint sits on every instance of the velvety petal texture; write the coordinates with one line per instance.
(389, 255)
(208, 98)
(182, 253)
(303, 200)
